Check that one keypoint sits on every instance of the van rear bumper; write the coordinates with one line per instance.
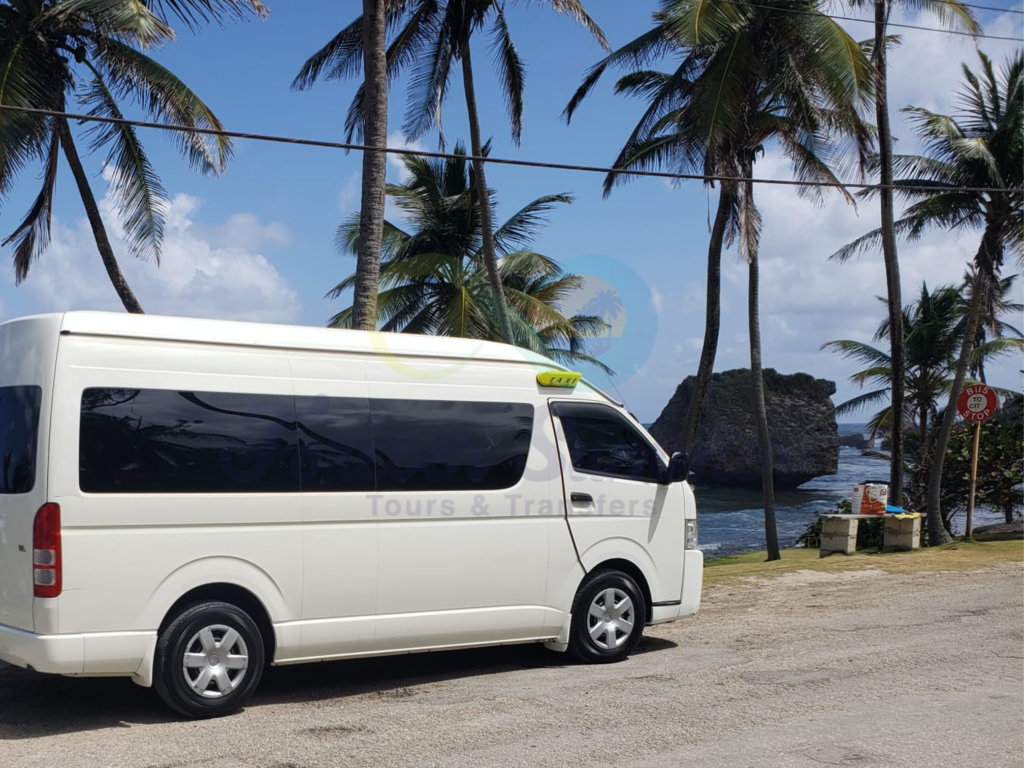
(57, 654)
(112, 654)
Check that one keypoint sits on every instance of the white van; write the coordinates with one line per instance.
(184, 501)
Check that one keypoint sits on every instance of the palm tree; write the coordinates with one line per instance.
(982, 148)
(430, 36)
(997, 304)
(954, 15)
(750, 76)
(371, 208)
(432, 277)
(935, 326)
(53, 52)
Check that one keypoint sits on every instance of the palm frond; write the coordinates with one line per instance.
(429, 81)
(575, 10)
(196, 13)
(32, 236)
(511, 74)
(142, 201)
(27, 79)
(646, 48)
(855, 404)
(341, 57)
(858, 350)
(133, 75)
(524, 225)
(129, 19)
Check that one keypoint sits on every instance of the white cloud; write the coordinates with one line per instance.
(657, 300)
(205, 271)
(397, 140)
(348, 197)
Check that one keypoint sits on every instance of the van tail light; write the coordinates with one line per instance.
(46, 554)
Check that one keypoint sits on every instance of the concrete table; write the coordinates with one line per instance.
(839, 533)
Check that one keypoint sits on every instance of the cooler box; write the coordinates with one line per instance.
(870, 498)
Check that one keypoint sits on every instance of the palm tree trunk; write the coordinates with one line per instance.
(771, 534)
(375, 134)
(99, 231)
(486, 221)
(713, 316)
(889, 255)
(936, 530)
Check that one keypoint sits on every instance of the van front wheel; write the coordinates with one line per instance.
(607, 618)
(209, 660)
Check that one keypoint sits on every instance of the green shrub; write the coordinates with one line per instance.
(869, 532)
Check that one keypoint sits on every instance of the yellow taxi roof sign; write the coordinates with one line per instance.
(564, 379)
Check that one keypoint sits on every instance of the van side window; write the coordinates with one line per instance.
(603, 442)
(335, 443)
(440, 445)
(19, 425)
(163, 441)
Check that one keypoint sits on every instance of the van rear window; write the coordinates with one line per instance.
(19, 428)
(163, 441)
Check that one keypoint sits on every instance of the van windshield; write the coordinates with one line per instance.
(19, 422)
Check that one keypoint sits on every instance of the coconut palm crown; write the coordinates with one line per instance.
(59, 53)
(432, 277)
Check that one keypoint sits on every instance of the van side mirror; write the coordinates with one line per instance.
(678, 468)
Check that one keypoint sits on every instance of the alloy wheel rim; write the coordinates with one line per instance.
(216, 661)
(610, 619)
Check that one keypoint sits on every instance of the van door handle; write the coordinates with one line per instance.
(581, 498)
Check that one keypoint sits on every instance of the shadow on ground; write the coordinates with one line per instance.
(33, 705)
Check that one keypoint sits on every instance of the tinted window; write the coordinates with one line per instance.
(160, 441)
(603, 442)
(336, 443)
(19, 425)
(436, 445)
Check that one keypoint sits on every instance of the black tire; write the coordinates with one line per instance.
(601, 649)
(183, 634)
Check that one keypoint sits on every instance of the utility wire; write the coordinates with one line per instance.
(988, 7)
(976, 36)
(485, 159)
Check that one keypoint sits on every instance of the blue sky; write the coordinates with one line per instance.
(256, 243)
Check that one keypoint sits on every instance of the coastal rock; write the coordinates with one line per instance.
(805, 439)
(856, 440)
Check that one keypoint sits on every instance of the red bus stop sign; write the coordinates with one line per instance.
(977, 403)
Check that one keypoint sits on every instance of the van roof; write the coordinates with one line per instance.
(236, 333)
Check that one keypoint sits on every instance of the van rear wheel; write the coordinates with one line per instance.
(607, 618)
(209, 660)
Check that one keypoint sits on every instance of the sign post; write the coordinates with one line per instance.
(975, 404)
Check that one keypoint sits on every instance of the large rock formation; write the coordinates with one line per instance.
(805, 440)
(856, 440)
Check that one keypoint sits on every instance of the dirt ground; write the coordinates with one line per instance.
(851, 668)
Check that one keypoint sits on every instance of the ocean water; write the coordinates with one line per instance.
(731, 520)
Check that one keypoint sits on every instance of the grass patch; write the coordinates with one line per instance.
(958, 556)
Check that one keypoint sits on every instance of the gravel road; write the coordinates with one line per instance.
(858, 668)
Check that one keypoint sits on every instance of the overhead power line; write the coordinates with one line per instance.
(989, 8)
(486, 159)
(976, 36)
